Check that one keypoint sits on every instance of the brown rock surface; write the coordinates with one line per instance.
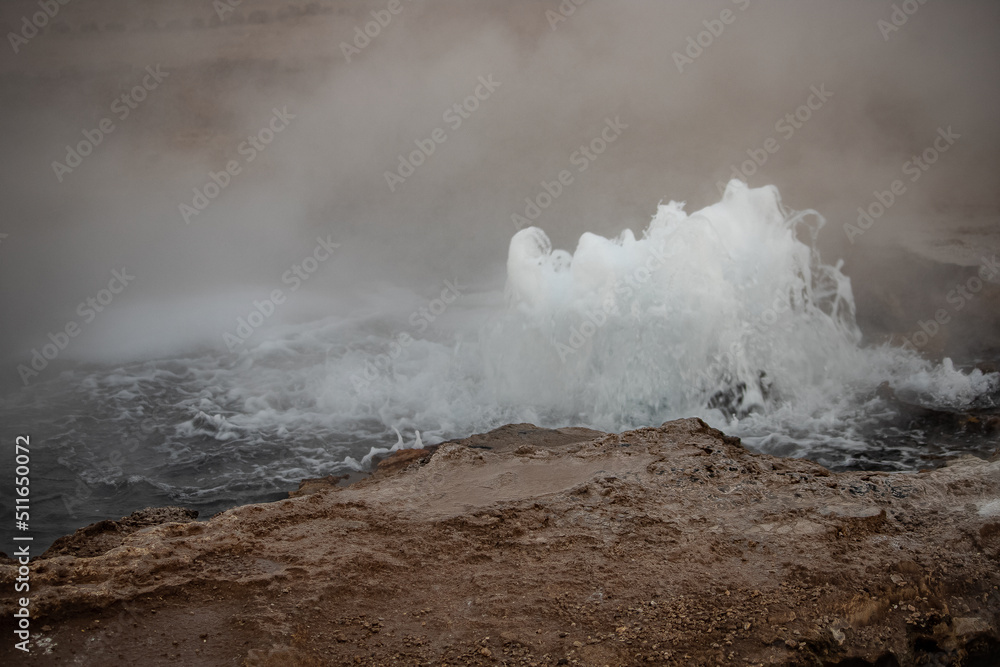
(317, 484)
(670, 546)
(402, 459)
(103, 536)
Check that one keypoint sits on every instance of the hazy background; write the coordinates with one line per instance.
(324, 175)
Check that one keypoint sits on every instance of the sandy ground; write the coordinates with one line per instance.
(525, 546)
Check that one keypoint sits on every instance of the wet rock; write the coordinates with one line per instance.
(671, 545)
(317, 484)
(403, 458)
(101, 537)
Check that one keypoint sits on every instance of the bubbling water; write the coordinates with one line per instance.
(725, 309)
(728, 313)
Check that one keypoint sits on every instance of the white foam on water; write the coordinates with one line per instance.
(725, 307)
(366, 460)
(728, 313)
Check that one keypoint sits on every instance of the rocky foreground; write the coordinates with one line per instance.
(527, 546)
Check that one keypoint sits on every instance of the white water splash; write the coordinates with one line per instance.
(366, 461)
(725, 308)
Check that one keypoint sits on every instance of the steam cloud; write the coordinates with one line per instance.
(888, 95)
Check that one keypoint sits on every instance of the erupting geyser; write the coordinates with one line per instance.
(728, 313)
(726, 308)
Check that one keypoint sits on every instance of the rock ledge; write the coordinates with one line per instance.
(527, 546)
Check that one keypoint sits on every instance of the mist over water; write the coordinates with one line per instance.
(728, 313)
(434, 297)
